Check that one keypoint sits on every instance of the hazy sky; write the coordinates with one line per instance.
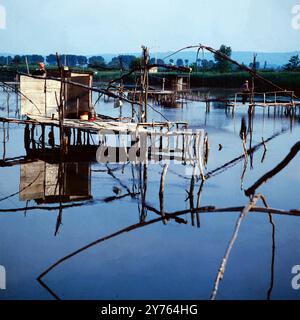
(119, 26)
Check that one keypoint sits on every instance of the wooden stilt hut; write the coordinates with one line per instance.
(41, 95)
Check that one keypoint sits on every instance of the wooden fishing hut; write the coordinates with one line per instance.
(178, 82)
(41, 95)
(62, 99)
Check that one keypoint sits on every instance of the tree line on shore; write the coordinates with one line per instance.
(126, 62)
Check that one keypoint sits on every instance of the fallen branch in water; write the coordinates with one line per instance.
(284, 163)
(212, 209)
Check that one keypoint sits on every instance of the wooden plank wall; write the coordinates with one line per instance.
(45, 95)
(44, 101)
(78, 99)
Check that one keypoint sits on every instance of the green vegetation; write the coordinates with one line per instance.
(287, 80)
(293, 65)
(221, 64)
(217, 73)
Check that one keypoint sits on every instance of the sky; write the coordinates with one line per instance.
(118, 26)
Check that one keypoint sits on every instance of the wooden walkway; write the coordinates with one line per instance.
(265, 99)
(96, 126)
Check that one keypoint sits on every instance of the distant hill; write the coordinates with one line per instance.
(5, 54)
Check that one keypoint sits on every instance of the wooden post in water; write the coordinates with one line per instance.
(145, 83)
(27, 66)
(253, 85)
(17, 96)
(4, 142)
(144, 186)
(79, 140)
(162, 191)
(62, 105)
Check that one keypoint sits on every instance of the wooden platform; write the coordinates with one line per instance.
(95, 126)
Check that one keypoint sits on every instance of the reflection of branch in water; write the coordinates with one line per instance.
(20, 191)
(169, 216)
(4, 142)
(120, 232)
(110, 172)
(263, 157)
(273, 249)
(199, 202)
(222, 269)
(251, 118)
(292, 154)
(130, 193)
(235, 161)
(144, 187)
(60, 180)
(177, 174)
(191, 197)
(58, 221)
(54, 295)
(207, 150)
(25, 212)
(44, 208)
(273, 257)
(244, 141)
(114, 198)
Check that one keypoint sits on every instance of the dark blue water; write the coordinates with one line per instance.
(159, 261)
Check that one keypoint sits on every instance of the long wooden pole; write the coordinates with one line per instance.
(252, 72)
(61, 106)
(222, 269)
(79, 85)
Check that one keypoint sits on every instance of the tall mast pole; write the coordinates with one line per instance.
(145, 82)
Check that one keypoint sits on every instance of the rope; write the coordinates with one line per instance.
(21, 93)
(14, 194)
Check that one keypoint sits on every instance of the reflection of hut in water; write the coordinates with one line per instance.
(40, 181)
(45, 94)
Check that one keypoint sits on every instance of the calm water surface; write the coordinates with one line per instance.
(155, 261)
